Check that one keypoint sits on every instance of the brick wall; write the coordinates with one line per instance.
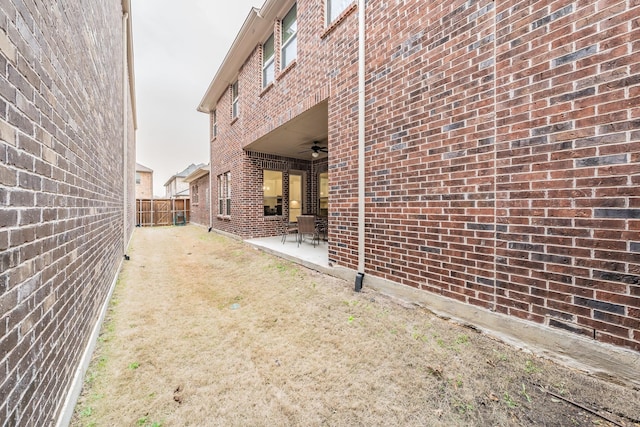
(505, 158)
(568, 166)
(430, 173)
(63, 221)
(502, 152)
(144, 190)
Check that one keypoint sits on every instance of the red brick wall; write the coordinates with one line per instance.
(199, 210)
(430, 173)
(502, 152)
(568, 166)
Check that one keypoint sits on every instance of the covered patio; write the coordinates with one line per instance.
(316, 258)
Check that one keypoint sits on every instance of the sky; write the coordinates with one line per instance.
(178, 47)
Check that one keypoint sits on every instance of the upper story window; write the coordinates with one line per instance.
(138, 178)
(214, 123)
(268, 62)
(289, 37)
(335, 8)
(234, 100)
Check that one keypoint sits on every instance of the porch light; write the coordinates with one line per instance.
(295, 204)
(314, 154)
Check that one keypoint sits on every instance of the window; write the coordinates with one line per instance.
(221, 192)
(272, 192)
(214, 123)
(268, 62)
(194, 194)
(289, 37)
(234, 100)
(229, 193)
(335, 8)
(323, 194)
(137, 178)
(224, 194)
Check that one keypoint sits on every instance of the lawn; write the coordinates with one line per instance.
(204, 330)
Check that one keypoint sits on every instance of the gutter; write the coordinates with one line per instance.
(361, 140)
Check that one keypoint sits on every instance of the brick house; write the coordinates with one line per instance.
(485, 153)
(144, 182)
(176, 186)
(199, 191)
(67, 190)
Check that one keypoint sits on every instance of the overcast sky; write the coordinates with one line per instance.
(178, 47)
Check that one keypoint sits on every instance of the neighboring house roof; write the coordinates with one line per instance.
(256, 28)
(184, 173)
(198, 173)
(142, 168)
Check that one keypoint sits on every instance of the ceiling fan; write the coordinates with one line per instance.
(316, 149)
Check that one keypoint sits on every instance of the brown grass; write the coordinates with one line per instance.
(206, 331)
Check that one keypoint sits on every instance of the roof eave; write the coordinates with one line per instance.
(198, 173)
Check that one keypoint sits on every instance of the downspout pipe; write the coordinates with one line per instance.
(210, 191)
(361, 135)
(125, 135)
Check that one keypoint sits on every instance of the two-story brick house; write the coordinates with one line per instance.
(486, 153)
(144, 182)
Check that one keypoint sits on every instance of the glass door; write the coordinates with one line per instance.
(295, 196)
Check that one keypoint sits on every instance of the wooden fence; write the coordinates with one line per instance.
(151, 212)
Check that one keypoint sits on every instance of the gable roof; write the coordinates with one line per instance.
(184, 173)
(189, 169)
(142, 168)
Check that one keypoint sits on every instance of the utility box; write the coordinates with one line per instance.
(179, 218)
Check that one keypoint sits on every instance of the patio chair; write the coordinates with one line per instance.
(307, 227)
(288, 228)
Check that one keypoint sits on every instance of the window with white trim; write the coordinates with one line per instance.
(234, 100)
(335, 8)
(289, 37)
(268, 62)
(224, 194)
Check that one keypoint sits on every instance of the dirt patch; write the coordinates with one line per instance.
(204, 330)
